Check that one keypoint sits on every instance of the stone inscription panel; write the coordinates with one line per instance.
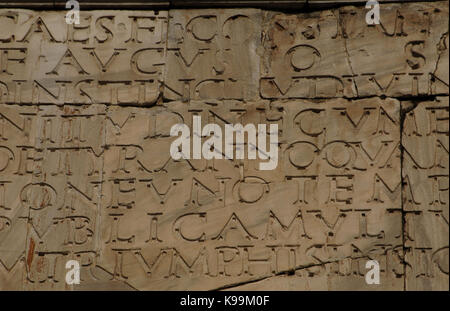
(362, 170)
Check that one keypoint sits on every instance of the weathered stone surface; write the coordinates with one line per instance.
(112, 58)
(86, 113)
(213, 54)
(425, 194)
(174, 4)
(334, 53)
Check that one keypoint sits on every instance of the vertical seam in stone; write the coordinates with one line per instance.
(165, 68)
(402, 119)
(100, 196)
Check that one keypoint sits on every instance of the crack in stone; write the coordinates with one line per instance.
(440, 50)
(349, 62)
(412, 103)
(288, 272)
